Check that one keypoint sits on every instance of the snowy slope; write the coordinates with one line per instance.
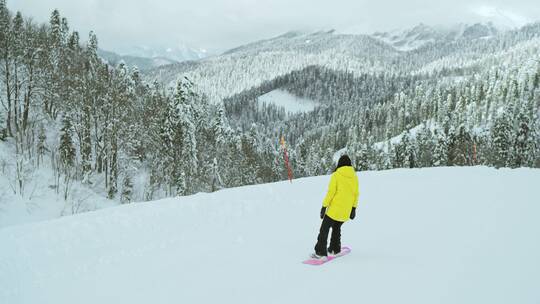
(443, 235)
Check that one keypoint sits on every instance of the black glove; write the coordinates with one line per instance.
(353, 213)
(323, 211)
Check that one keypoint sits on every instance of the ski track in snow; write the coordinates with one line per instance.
(440, 235)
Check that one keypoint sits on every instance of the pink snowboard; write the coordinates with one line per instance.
(344, 251)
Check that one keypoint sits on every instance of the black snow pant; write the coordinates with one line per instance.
(335, 239)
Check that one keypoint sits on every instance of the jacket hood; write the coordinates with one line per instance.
(346, 171)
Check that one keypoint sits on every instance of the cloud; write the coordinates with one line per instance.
(222, 24)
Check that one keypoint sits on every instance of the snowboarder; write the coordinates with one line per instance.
(339, 205)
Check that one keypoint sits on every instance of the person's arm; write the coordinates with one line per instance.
(332, 187)
(355, 202)
(356, 194)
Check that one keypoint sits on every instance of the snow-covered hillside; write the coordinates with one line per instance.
(441, 235)
(33, 191)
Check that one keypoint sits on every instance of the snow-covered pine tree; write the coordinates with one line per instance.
(16, 79)
(248, 160)
(403, 152)
(41, 145)
(178, 141)
(186, 99)
(410, 151)
(462, 147)
(373, 155)
(219, 125)
(119, 103)
(66, 148)
(525, 141)
(362, 161)
(440, 153)
(386, 160)
(216, 183)
(180, 184)
(127, 190)
(171, 140)
(501, 140)
(85, 107)
(327, 161)
(446, 119)
(313, 162)
(451, 144)
(5, 57)
(425, 147)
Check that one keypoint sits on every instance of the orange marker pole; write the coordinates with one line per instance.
(286, 156)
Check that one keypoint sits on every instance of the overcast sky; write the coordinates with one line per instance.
(221, 24)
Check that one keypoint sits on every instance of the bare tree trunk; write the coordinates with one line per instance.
(106, 160)
(27, 98)
(68, 182)
(86, 143)
(16, 102)
(98, 167)
(113, 183)
(8, 95)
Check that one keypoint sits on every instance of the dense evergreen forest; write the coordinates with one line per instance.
(489, 119)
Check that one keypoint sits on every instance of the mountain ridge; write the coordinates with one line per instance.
(251, 64)
(142, 63)
(422, 34)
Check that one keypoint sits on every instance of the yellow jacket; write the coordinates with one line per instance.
(342, 194)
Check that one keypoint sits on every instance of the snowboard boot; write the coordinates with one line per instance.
(333, 252)
(318, 257)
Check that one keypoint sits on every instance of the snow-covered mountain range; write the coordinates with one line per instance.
(142, 63)
(420, 35)
(417, 50)
(146, 57)
(247, 66)
(178, 53)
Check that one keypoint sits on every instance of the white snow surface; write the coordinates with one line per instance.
(291, 103)
(439, 235)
